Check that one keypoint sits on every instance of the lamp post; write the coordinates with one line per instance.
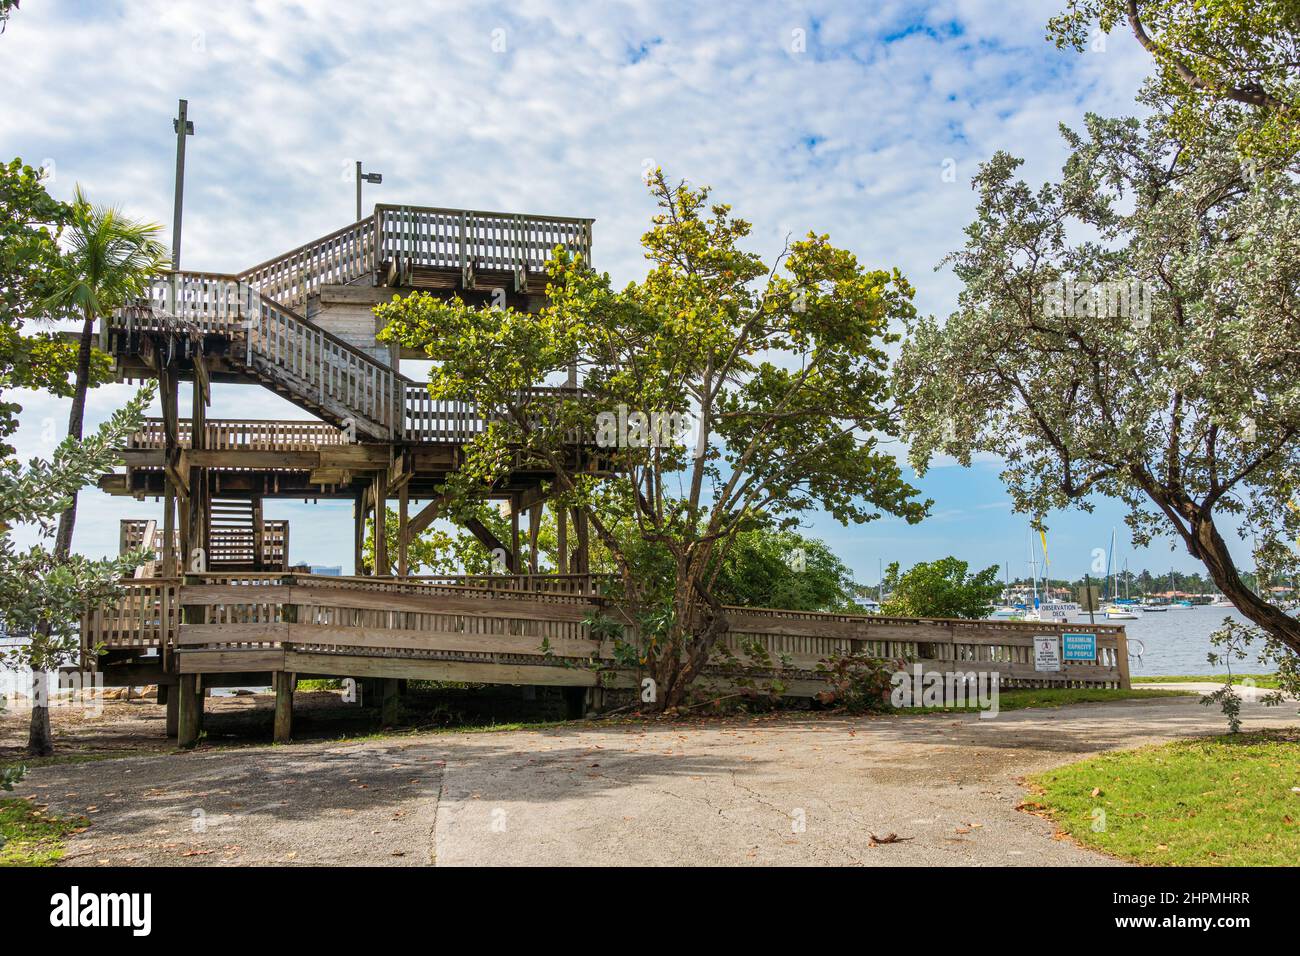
(183, 128)
(373, 178)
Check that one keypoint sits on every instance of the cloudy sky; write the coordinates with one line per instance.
(837, 117)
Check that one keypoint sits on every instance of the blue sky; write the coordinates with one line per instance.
(835, 117)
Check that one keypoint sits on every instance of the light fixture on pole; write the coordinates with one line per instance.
(373, 178)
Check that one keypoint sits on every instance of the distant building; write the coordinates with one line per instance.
(334, 570)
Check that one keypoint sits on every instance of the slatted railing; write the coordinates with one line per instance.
(242, 435)
(490, 621)
(473, 241)
(146, 615)
(343, 256)
(464, 240)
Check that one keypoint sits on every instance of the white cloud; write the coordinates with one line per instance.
(848, 137)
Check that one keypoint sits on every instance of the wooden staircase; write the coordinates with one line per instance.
(233, 530)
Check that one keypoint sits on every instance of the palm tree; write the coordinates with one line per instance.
(110, 261)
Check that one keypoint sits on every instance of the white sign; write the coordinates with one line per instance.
(1047, 653)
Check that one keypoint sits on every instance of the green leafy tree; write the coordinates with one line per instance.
(943, 588)
(110, 262)
(30, 224)
(1215, 60)
(784, 569)
(42, 595)
(726, 393)
(1155, 363)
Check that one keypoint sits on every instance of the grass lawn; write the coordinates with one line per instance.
(1267, 681)
(31, 837)
(1225, 801)
(1019, 699)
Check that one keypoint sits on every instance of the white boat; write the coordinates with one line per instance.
(1153, 608)
(1221, 602)
(1118, 612)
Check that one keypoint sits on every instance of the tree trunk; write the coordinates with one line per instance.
(1214, 554)
(76, 420)
(40, 741)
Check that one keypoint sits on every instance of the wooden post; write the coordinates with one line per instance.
(1121, 659)
(390, 702)
(359, 533)
(285, 682)
(172, 698)
(561, 540)
(403, 530)
(582, 559)
(514, 533)
(382, 567)
(534, 529)
(169, 530)
(187, 727)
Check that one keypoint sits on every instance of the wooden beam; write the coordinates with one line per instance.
(359, 533)
(285, 681)
(534, 530)
(382, 567)
(187, 727)
(562, 540)
(492, 543)
(426, 515)
(403, 532)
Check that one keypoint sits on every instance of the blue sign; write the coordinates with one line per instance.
(1079, 647)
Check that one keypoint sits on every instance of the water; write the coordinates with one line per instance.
(1176, 642)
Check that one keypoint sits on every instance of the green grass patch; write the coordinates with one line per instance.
(31, 837)
(1213, 801)
(1267, 681)
(1022, 698)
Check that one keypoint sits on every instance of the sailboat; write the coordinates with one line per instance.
(1116, 610)
(1046, 609)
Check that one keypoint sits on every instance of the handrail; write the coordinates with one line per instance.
(466, 240)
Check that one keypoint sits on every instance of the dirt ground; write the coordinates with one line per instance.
(789, 789)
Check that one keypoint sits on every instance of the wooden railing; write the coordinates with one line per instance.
(324, 370)
(337, 259)
(488, 620)
(804, 638)
(146, 615)
(467, 241)
(473, 242)
(242, 435)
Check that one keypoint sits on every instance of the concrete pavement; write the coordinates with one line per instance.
(790, 789)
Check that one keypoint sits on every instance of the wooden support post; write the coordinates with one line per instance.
(259, 534)
(173, 701)
(403, 531)
(390, 702)
(169, 530)
(285, 682)
(534, 529)
(581, 563)
(187, 726)
(382, 567)
(514, 534)
(561, 539)
(359, 534)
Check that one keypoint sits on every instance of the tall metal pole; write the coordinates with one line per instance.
(358, 219)
(183, 128)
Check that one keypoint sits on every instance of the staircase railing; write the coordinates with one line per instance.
(310, 362)
(337, 259)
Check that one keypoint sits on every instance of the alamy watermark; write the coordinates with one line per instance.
(1111, 298)
(959, 689)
